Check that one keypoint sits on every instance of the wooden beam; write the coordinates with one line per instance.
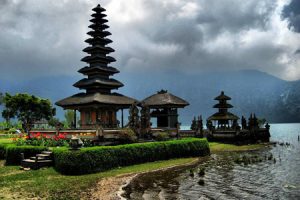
(74, 120)
(122, 118)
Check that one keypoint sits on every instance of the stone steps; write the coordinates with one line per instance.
(43, 156)
(43, 159)
(47, 152)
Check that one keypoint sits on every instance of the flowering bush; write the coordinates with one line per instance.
(39, 139)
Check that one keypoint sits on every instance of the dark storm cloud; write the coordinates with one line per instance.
(292, 13)
(236, 16)
(40, 38)
(194, 36)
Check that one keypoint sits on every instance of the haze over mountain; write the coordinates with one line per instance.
(251, 91)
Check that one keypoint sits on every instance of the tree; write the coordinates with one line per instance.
(54, 122)
(1, 98)
(27, 108)
(69, 117)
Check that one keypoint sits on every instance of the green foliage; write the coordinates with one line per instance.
(13, 153)
(161, 136)
(1, 98)
(69, 117)
(54, 122)
(261, 122)
(127, 135)
(6, 125)
(87, 143)
(2, 151)
(97, 159)
(27, 108)
(12, 131)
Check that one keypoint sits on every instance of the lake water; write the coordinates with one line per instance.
(225, 178)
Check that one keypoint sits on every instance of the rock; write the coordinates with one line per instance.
(201, 171)
(191, 173)
(201, 181)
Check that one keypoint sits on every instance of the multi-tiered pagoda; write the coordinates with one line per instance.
(98, 104)
(223, 118)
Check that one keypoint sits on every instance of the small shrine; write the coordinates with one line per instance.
(98, 104)
(223, 126)
(164, 107)
(223, 119)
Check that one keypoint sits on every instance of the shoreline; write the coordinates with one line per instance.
(111, 188)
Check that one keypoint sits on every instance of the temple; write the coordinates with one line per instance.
(223, 119)
(98, 104)
(223, 126)
(164, 106)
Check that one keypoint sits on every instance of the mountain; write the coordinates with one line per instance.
(251, 91)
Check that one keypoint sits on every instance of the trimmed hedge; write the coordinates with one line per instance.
(97, 159)
(2, 151)
(13, 153)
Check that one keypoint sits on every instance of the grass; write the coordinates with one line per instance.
(6, 140)
(221, 147)
(49, 184)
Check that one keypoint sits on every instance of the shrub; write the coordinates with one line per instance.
(2, 151)
(96, 159)
(12, 131)
(161, 136)
(127, 135)
(13, 153)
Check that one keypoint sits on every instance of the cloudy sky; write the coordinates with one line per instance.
(45, 37)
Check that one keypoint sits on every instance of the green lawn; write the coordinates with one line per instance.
(221, 147)
(6, 140)
(49, 184)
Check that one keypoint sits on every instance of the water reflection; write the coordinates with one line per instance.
(225, 178)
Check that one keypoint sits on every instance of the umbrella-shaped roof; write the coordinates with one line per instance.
(164, 99)
(222, 96)
(82, 99)
(223, 116)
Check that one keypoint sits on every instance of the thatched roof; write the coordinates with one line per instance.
(222, 96)
(98, 8)
(223, 116)
(227, 105)
(164, 99)
(97, 81)
(98, 69)
(83, 99)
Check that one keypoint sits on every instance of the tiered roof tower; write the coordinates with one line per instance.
(98, 71)
(98, 103)
(223, 106)
(223, 116)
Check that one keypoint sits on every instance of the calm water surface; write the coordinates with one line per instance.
(226, 179)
